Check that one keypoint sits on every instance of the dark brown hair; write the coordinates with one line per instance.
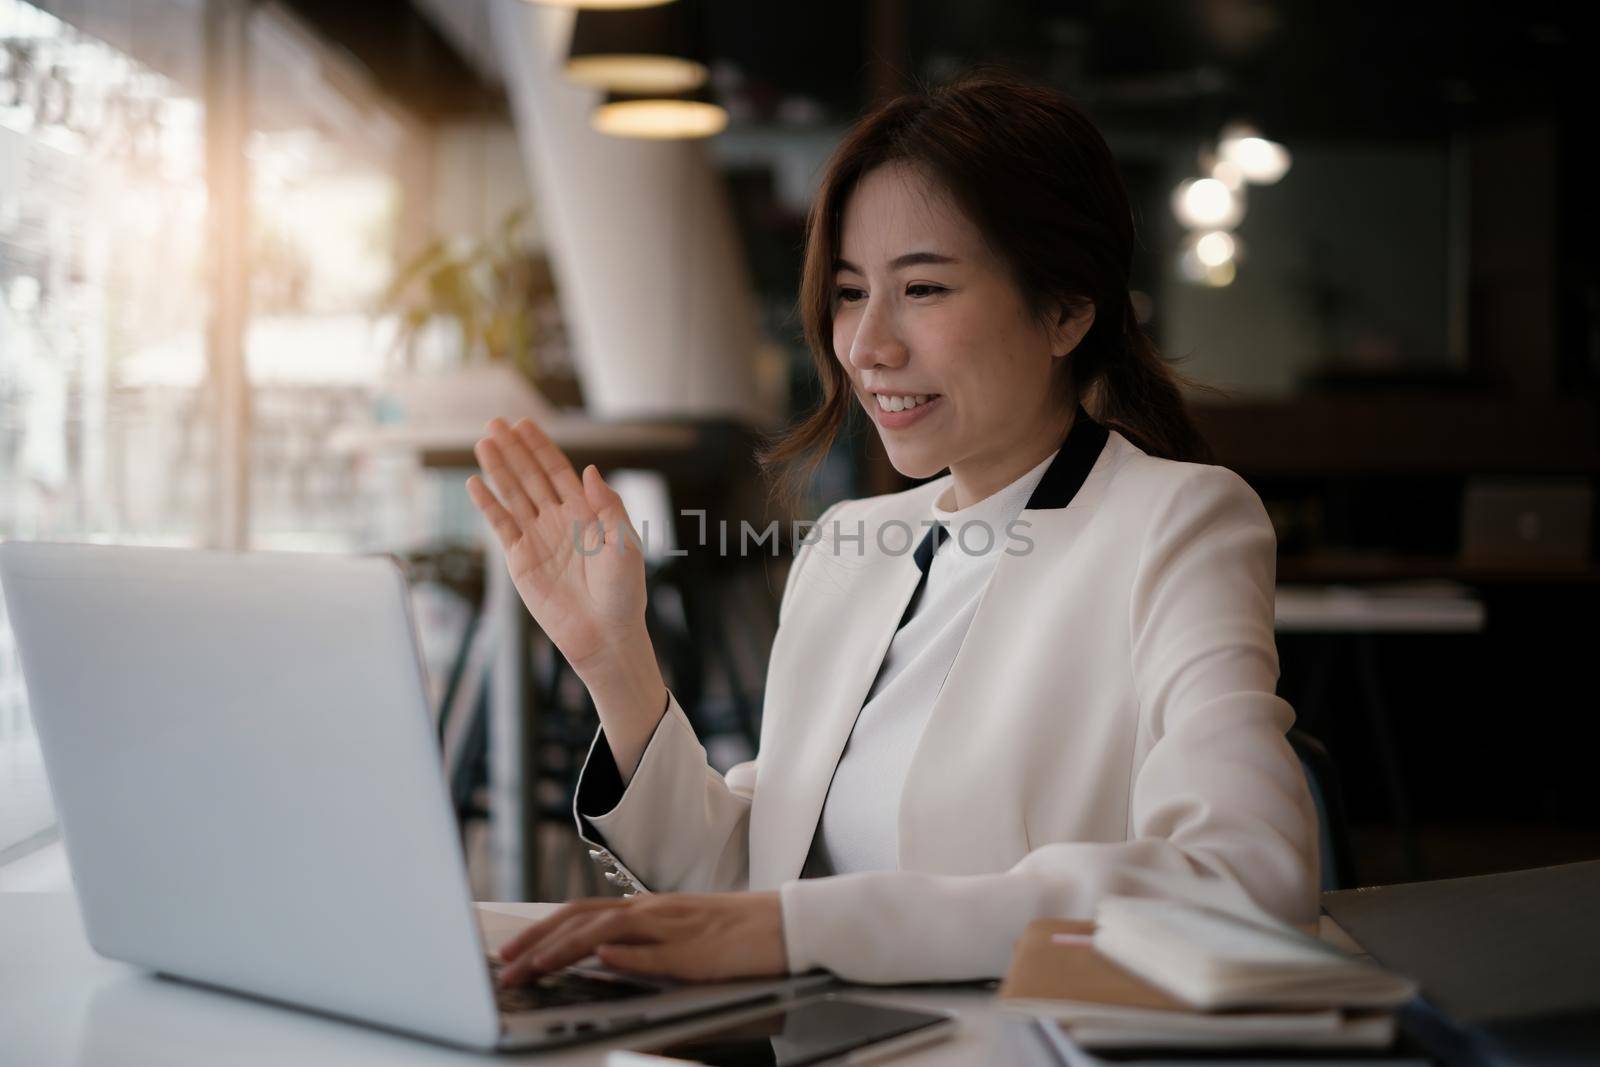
(1036, 178)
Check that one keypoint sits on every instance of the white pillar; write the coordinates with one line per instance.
(641, 237)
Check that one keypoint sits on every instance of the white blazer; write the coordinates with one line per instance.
(1109, 726)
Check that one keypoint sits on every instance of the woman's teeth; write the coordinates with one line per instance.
(901, 403)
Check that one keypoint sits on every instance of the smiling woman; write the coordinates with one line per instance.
(988, 363)
(995, 726)
(989, 220)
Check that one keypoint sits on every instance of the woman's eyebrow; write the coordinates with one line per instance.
(910, 259)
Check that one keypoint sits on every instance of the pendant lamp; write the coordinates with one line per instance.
(600, 5)
(642, 51)
(674, 116)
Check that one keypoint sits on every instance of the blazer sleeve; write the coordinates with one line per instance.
(678, 825)
(1220, 811)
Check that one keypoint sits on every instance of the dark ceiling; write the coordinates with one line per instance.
(1361, 68)
(409, 59)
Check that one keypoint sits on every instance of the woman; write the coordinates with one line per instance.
(1066, 691)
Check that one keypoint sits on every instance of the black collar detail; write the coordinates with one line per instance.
(936, 536)
(1070, 469)
(1060, 483)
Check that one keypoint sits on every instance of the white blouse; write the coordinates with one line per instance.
(859, 830)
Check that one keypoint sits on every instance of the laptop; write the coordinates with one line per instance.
(251, 793)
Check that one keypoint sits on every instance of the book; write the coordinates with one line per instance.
(1213, 960)
(1069, 1053)
(1184, 977)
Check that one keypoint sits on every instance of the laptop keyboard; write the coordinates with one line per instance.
(562, 988)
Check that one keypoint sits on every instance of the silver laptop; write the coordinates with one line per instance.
(250, 789)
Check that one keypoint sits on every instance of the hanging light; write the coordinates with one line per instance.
(1215, 248)
(598, 5)
(1262, 162)
(641, 52)
(1228, 174)
(675, 116)
(1207, 203)
(1210, 258)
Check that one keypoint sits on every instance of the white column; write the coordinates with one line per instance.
(640, 234)
(228, 101)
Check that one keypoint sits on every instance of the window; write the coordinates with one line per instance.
(102, 219)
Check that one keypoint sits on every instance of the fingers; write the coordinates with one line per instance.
(530, 476)
(505, 527)
(539, 930)
(557, 468)
(608, 506)
(572, 941)
(505, 482)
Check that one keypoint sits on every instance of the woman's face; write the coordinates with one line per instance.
(923, 308)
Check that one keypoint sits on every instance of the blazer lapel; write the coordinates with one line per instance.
(946, 738)
(862, 620)
(861, 606)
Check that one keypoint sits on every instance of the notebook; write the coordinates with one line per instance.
(1182, 976)
(1057, 973)
(1212, 960)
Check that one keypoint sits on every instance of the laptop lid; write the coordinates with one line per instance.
(245, 770)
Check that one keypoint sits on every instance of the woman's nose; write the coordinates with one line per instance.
(875, 343)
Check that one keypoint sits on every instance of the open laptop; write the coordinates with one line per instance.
(250, 789)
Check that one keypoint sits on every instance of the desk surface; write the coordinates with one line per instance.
(61, 1004)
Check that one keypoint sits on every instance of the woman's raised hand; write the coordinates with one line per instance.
(588, 595)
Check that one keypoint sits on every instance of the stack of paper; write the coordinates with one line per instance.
(1161, 974)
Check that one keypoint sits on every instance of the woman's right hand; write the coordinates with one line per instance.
(588, 597)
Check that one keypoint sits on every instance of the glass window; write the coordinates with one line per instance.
(102, 295)
(326, 156)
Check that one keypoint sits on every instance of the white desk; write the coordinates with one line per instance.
(60, 1004)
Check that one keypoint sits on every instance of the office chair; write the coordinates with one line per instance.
(1333, 829)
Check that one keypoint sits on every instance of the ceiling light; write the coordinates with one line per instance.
(1206, 203)
(642, 52)
(598, 5)
(675, 117)
(1214, 248)
(1261, 161)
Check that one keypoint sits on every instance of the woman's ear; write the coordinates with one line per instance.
(1072, 323)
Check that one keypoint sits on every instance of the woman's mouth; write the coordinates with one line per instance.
(897, 411)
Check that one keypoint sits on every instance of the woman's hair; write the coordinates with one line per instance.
(1030, 170)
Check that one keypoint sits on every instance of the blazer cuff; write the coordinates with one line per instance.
(797, 945)
(600, 788)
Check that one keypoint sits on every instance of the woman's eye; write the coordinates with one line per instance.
(848, 295)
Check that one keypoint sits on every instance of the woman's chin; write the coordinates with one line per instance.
(915, 462)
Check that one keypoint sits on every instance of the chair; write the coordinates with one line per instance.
(1333, 829)
(566, 714)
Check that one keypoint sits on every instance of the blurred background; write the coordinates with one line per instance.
(267, 266)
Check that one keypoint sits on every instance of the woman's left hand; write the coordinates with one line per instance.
(700, 937)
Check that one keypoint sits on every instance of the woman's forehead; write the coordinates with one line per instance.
(895, 209)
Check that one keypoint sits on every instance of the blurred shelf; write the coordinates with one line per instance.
(1449, 608)
(1346, 567)
(1404, 433)
(692, 451)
